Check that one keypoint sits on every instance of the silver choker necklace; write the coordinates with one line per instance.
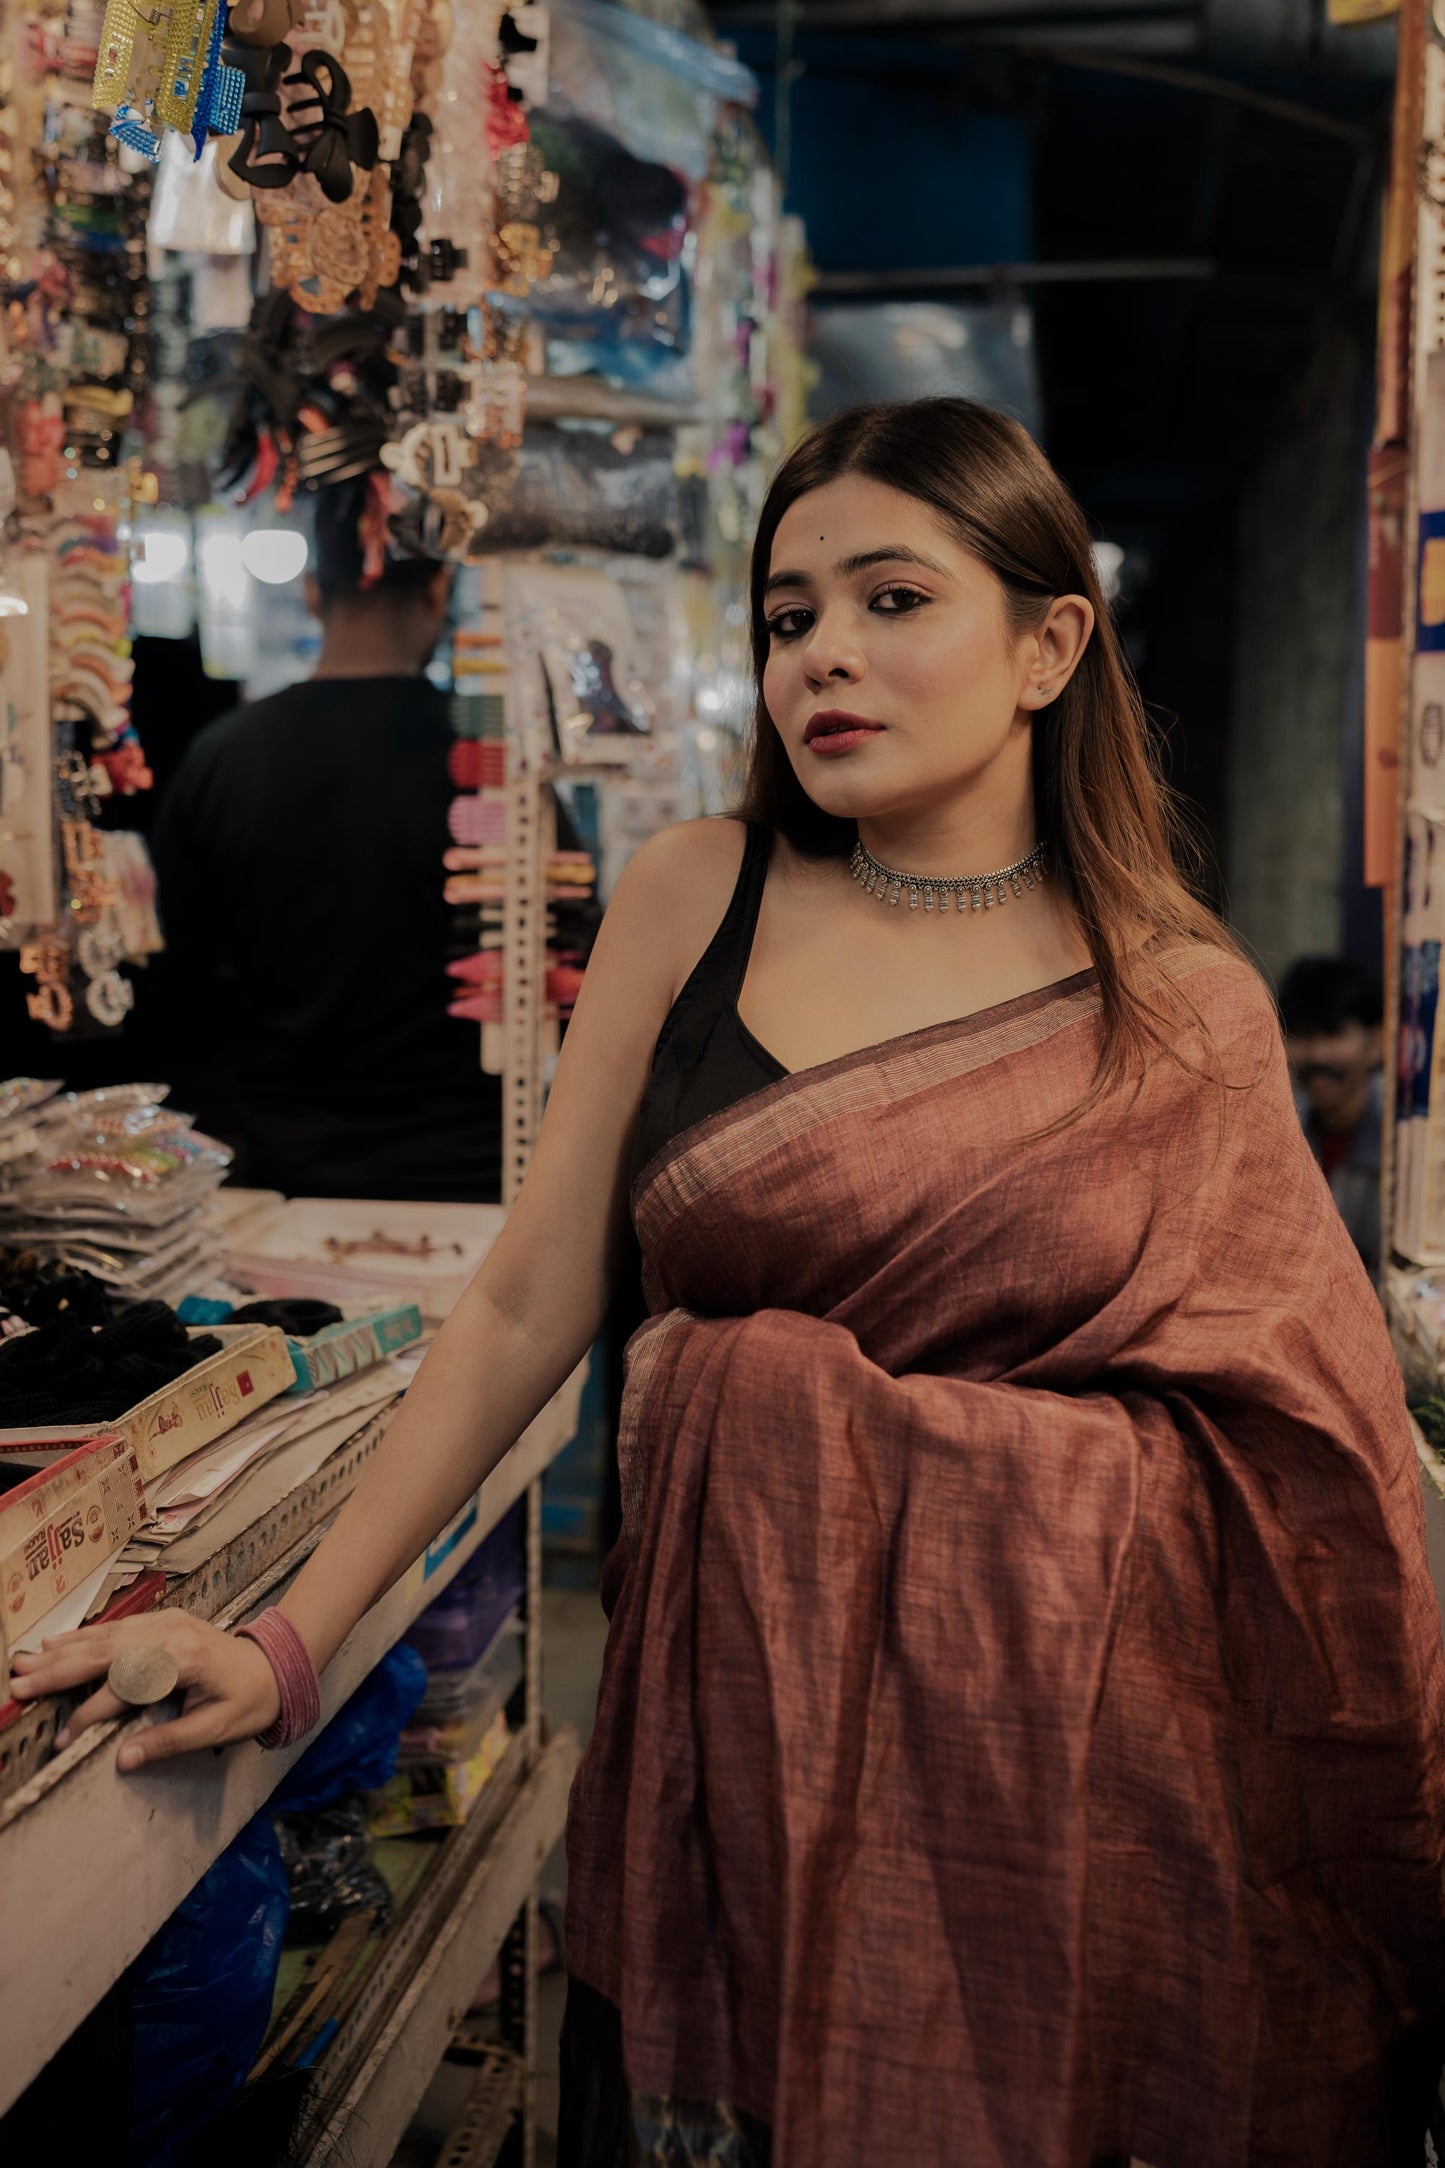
(982, 890)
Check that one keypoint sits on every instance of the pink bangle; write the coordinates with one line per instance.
(288, 1656)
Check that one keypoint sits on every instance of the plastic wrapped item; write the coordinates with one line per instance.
(330, 1870)
(139, 1161)
(656, 89)
(619, 223)
(23, 1094)
(578, 489)
(201, 1995)
(456, 1631)
(627, 128)
(587, 643)
(436, 1794)
(118, 1185)
(357, 1750)
(459, 1707)
(188, 210)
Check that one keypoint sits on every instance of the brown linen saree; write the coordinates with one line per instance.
(1020, 1733)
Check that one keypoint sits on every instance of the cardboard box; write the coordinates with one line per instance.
(253, 1366)
(357, 1343)
(58, 1526)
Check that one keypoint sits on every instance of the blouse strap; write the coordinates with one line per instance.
(747, 900)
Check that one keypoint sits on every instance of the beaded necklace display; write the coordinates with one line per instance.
(983, 890)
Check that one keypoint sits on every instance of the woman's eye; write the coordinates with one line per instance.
(898, 601)
(790, 624)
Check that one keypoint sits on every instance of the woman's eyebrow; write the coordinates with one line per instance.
(893, 554)
(785, 579)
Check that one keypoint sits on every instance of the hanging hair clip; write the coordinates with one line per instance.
(264, 135)
(340, 139)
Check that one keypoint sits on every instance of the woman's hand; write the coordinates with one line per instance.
(230, 1688)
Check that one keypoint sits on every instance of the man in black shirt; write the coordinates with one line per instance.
(299, 854)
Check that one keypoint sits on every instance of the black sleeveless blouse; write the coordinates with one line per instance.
(706, 1059)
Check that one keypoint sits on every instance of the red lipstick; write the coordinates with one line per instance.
(834, 731)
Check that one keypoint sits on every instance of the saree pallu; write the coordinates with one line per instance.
(1020, 1732)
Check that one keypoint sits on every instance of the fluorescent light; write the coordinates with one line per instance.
(223, 572)
(161, 554)
(1108, 563)
(274, 555)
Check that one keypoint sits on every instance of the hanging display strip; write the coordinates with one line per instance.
(1419, 1085)
(525, 913)
(27, 826)
(76, 891)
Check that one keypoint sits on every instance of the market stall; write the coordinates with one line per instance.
(525, 272)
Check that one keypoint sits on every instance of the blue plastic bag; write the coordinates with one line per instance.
(357, 1751)
(201, 1994)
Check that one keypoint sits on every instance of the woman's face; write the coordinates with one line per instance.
(892, 674)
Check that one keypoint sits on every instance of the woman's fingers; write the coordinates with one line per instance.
(68, 1661)
(229, 1688)
(99, 1709)
(205, 1726)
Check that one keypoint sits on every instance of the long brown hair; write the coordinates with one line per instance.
(1114, 831)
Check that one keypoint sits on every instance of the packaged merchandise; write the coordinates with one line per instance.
(250, 1365)
(435, 1794)
(459, 1707)
(117, 1184)
(471, 1641)
(59, 1529)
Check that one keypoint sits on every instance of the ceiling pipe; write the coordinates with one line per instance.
(966, 278)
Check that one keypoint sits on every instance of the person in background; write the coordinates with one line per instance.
(1333, 1011)
(299, 855)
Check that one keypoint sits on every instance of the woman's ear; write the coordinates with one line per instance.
(1058, 646)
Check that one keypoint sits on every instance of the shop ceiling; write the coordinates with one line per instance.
(1185, 190)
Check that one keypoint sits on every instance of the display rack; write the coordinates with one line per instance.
(115, 1855)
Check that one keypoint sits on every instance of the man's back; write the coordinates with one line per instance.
(300, 860)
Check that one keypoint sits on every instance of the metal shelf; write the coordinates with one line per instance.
(92, 1862)
(461, 1926)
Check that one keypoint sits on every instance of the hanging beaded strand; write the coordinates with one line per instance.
(982, 890)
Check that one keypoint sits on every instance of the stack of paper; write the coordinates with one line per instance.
(203, 1504)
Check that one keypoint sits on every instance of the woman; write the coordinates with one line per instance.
(1018, 1744)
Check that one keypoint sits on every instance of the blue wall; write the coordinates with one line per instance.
(890, 165)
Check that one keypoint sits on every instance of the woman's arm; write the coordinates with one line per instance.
(529, 1315)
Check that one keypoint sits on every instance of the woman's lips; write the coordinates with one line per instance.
(835, 732)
